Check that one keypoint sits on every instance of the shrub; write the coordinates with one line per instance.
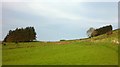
(62, 40)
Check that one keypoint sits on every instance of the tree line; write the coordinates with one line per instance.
(28, 34)
(102, 30)
(21, 35)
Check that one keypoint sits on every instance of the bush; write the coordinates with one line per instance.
(62, 40)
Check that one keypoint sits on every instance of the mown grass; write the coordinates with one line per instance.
(94, 51)
(80, 53)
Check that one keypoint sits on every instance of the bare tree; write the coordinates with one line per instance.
(90, 31)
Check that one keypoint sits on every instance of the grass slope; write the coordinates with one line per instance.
(100, 50)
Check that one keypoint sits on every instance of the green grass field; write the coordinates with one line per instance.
(101, 50)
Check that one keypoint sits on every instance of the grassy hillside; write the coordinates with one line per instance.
(100, 50)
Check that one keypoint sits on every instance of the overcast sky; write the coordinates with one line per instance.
(57, 19)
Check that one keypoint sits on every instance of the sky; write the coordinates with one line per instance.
(54, 20)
